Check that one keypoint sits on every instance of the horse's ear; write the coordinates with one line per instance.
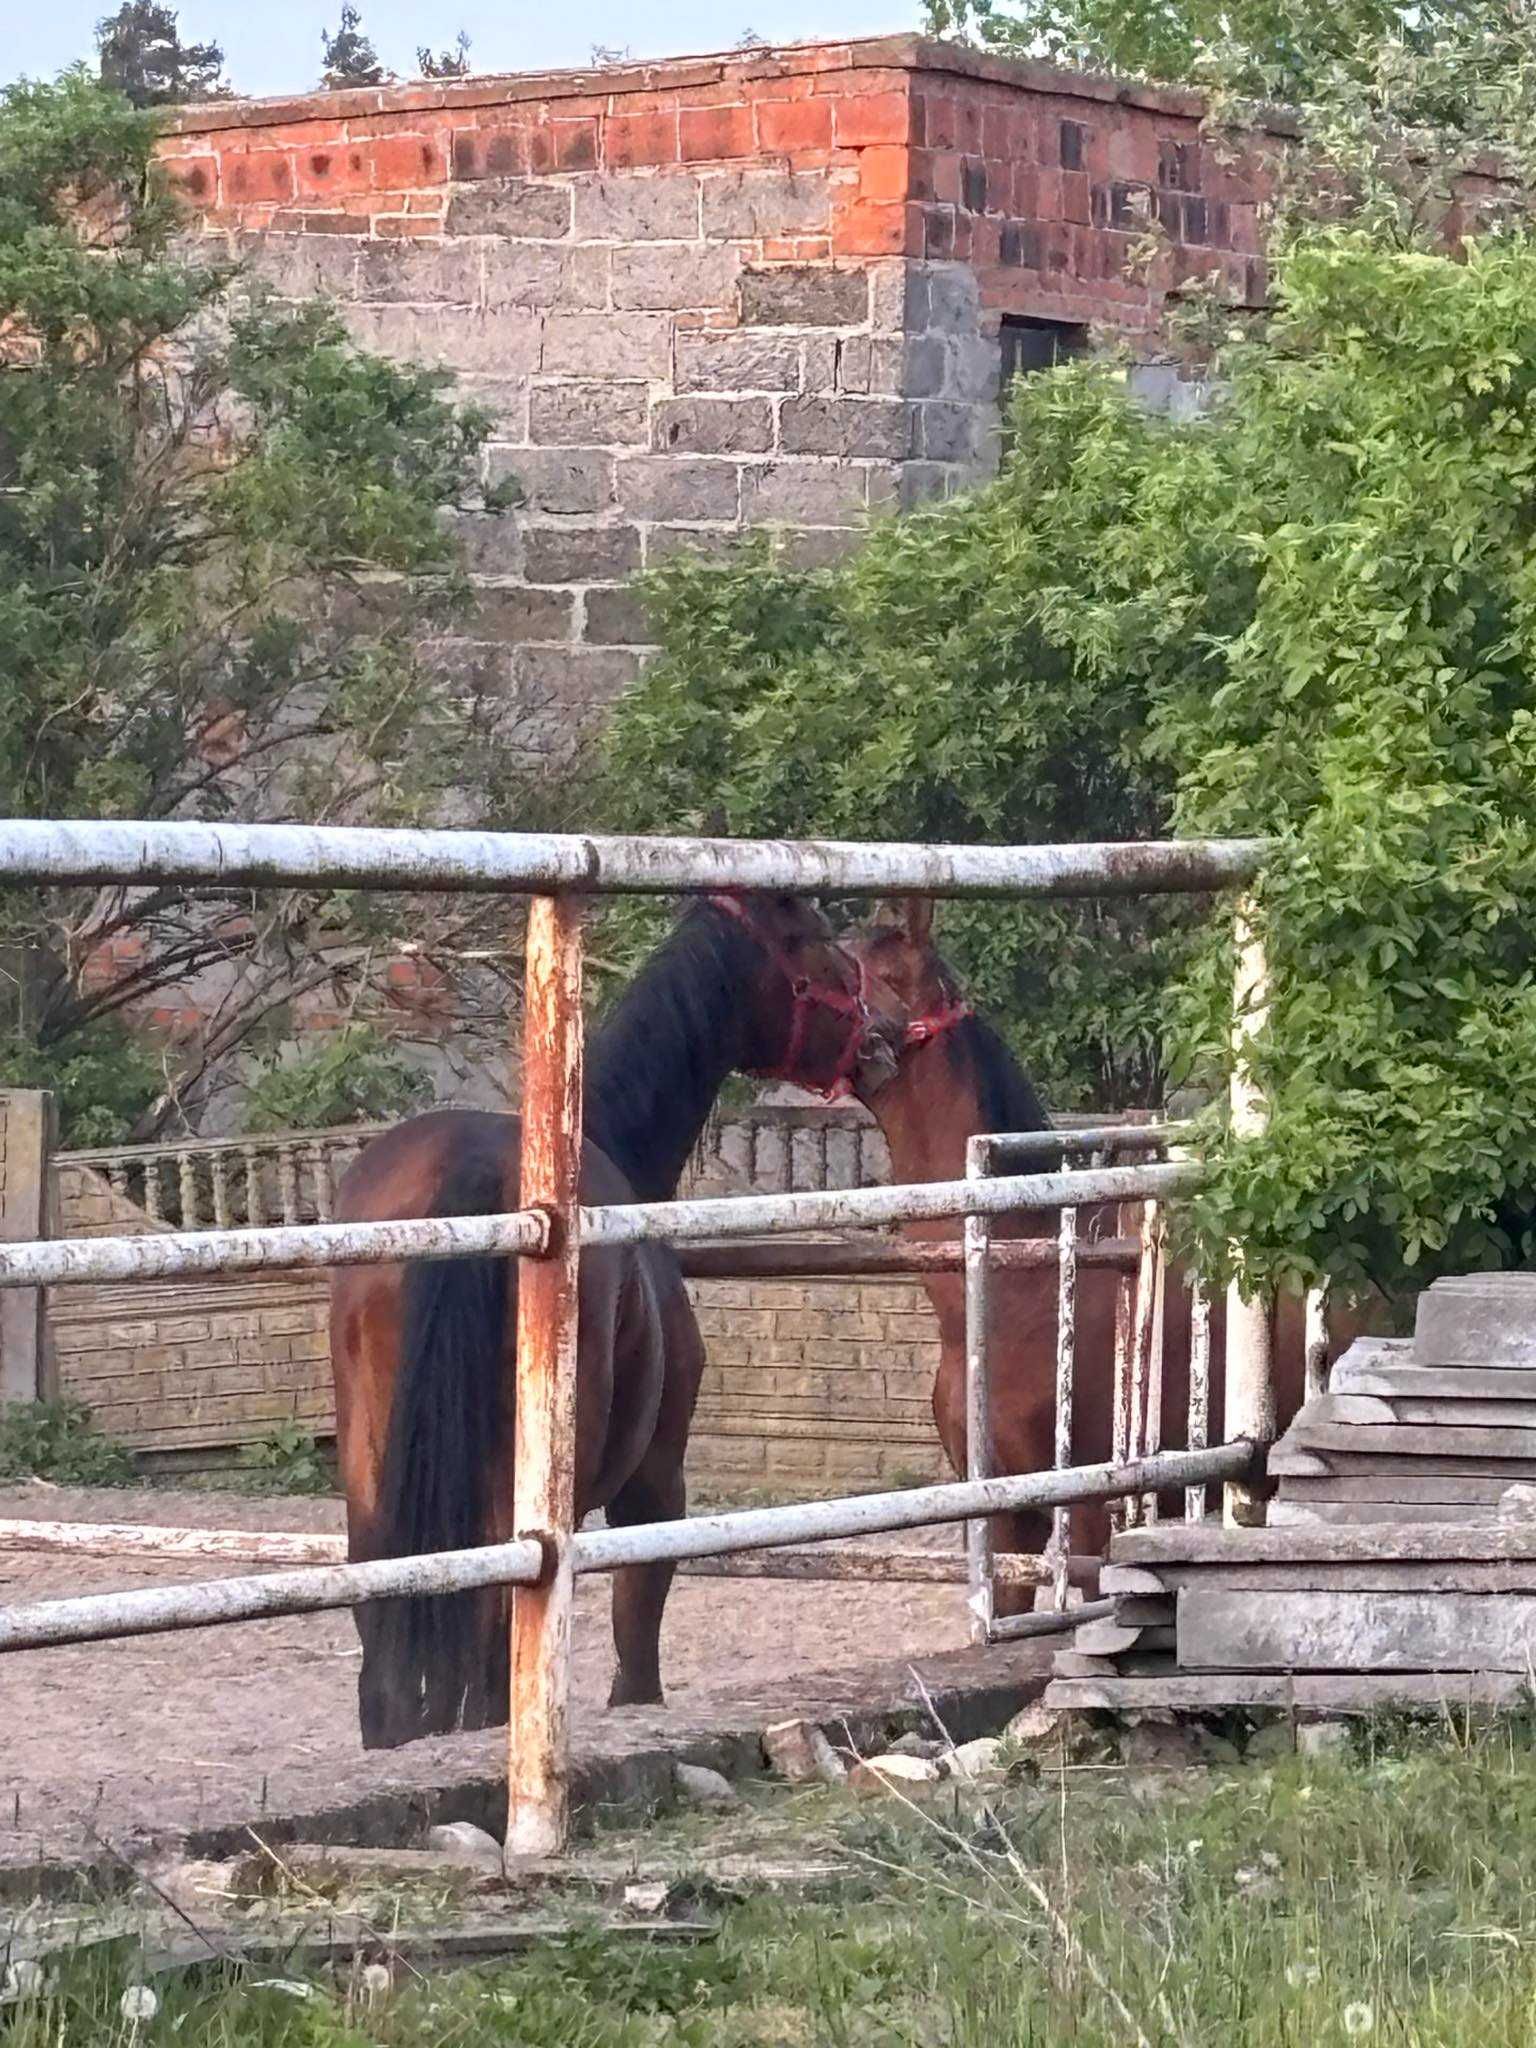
(917, 915)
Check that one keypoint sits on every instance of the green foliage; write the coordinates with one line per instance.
(915, 692)
(143, 57)
(105, 1079)
(351, 1076)
(287, 1460)
(1309, 616)
(350, 59)
(54, 1440)
(451, 63)
(227, 564)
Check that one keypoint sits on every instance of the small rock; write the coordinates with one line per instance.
(800, 1752)
(647, 1898)
(974, 1759)
(877, 1777)
(463, 1842)
(1037, 1727)
(1274, 1740)
(913, 1744)
(192, 1884)
(1323, 1738)
(703, 1787)
(1219, 1750)
(22, 1979)
(1157, 1746)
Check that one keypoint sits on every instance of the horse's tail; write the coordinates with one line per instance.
(433, 1665)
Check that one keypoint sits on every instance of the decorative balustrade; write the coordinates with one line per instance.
(198, 1183)
(291, 1176)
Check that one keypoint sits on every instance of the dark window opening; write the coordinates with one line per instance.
(1030, 345)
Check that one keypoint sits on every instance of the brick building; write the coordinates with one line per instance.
(773, 289)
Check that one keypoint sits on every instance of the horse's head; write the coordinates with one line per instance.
(907, 981)
(809, 1018)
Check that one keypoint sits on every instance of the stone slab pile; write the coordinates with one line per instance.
(1398, 1567)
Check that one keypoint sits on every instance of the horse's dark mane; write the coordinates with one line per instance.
(1008, 1101)
(658, 1059)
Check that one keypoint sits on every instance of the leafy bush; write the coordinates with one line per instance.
(104, 1079)
(54, 1440)
(351, 1076)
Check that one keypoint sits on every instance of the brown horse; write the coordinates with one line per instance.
(956, 1077)
(423, 1353)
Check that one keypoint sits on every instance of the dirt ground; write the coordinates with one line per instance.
(116, 1739)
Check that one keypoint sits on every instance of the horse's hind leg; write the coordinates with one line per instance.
(655, 1494)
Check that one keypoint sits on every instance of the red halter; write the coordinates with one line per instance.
(809, 996)
(923, 1030)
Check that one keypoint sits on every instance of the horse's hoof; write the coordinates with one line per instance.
(636, 1699)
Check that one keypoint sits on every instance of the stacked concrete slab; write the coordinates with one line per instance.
(1399, 1564)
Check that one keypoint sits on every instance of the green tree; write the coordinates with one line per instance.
(1311, 615)
(350, 58)
(226, 560)
(142, 56)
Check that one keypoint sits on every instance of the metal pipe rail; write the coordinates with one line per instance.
(157, 1610)
(62, 1262)
(349, 856)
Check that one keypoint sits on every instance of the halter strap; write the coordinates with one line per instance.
(923, 1030)
(807, 996)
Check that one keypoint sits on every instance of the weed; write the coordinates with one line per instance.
(55, 1440)
(286, 1460)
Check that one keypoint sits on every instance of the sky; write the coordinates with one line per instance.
(273, 46)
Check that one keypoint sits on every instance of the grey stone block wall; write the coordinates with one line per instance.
(659, 377)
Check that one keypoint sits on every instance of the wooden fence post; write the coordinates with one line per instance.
(1250, 1384)
(28, 1136)
(538, 1759)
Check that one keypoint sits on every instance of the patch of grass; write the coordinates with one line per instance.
(1383, 1896)
(55, 1440)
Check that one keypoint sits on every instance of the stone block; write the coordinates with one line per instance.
(570, 680)
(1477, 1319)
(817, 547)
(949, 433)
(419, 273)
(664, 208)
(953, 299)
(556, 479)
(804, 295)
(678, 487)
(524, 207)
(715, 544)
(580, 554)
(615, 618)
(714, 426)
(877, 428)
(575, 412)
(505, 399)
(607, 344)
(303, 266)
(803, 493)
(667, 278)
(737, 361)
(543, 274)
(519, 613)
(747, 205)
(503, 343)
